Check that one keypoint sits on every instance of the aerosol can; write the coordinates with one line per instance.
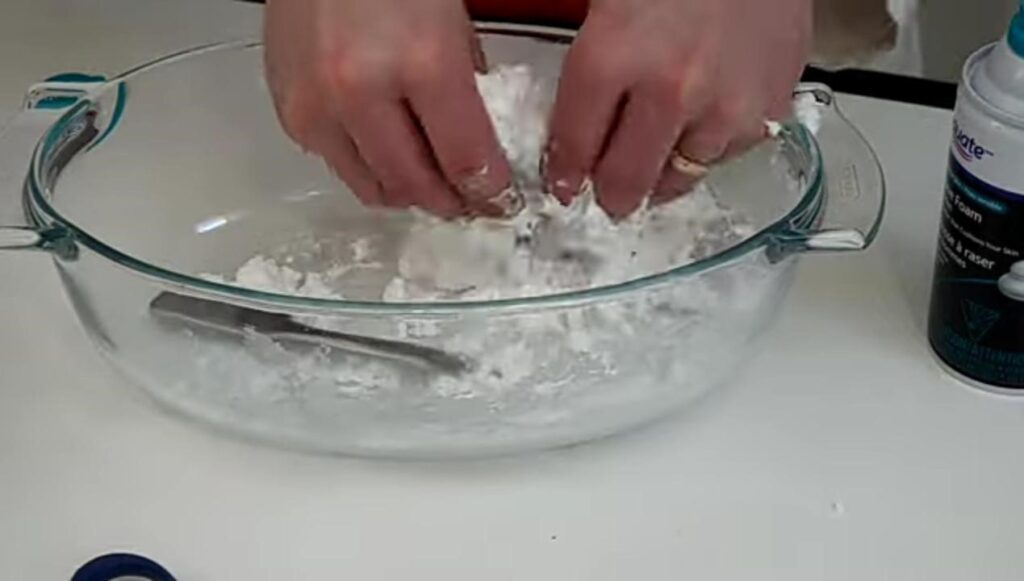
(976, 324)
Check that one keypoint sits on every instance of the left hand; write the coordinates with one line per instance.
(655, 89)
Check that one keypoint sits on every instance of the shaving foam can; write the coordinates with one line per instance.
(976, 321)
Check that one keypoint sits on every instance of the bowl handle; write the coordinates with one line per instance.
(854, 185)
(44, 103)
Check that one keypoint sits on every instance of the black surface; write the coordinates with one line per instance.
(887, 86)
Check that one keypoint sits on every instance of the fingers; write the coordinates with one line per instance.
(642, 140)
(341, 155)
(716, 137)
(384, 90)
(700, 146)
(389, 140)
(781, 107)
(747, 138)
(458, 128)
(304, 120)
(589, 95)
(678, 178)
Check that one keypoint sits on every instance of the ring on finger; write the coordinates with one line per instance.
(688, 167)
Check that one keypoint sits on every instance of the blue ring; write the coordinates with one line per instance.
(116, 565)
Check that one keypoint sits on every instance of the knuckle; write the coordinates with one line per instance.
(349, 73)
(668, 84)
(674, 80)
(425, 63)
(683, 86)
(596, 63)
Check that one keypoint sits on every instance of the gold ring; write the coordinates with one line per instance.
(688, 167)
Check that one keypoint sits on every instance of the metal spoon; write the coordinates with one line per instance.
(238, 321)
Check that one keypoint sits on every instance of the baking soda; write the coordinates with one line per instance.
(548, 248)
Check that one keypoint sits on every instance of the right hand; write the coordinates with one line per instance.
(384, 91)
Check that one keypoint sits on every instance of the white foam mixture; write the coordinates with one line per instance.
(672, 338)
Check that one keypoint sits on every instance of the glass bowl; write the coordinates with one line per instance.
(137, 185)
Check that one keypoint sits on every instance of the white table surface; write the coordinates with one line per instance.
(842, 453)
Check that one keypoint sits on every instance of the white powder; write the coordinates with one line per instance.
(546, 249)
(518, 103)
(545, 375)
(549, 248)
(261, 273)
(807, 110)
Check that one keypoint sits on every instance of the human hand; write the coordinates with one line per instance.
(653, 91)
(384, 91)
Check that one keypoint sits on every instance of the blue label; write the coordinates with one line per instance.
(968, 147)
(976, 323)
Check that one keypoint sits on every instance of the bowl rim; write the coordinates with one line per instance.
(808, 206)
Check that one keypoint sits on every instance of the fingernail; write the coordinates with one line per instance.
(563, 185)
(619, 205)
(483, 185)
(620, 213)
(508, 204)
(565, 188)
(475, 185)
(510, 201)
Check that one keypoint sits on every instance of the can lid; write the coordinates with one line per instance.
(1016, 34)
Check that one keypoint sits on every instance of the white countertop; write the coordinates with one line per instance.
(842, 453)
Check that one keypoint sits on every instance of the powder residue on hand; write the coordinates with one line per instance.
(546, 249)
(549, 248)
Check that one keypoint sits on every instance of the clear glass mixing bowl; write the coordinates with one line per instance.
(138, 184)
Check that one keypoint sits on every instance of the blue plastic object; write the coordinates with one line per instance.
(1016, 35)
(119, 565)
